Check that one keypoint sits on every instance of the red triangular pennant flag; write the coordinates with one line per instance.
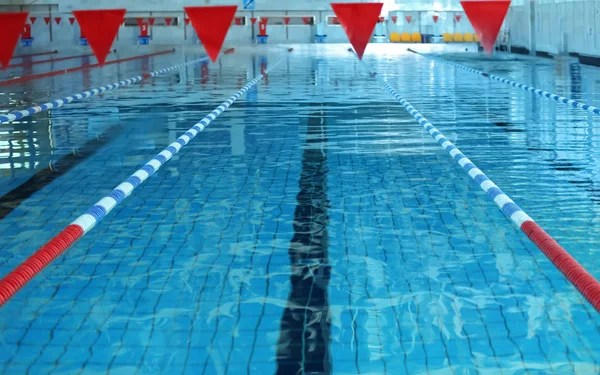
(358, 20)
(151, 21)
(306, 20)
(486, 18)
(187, 21)
(211, 25)
(57, 20)
(72, 20)
(253, 20)
(168, 21)
(47, 20)
(408, 18)
(436, 18)
(12, 25)
(286, 20)
(32, 19)
(458, 17)
(100, 28)
(394, 19)
(238, 21)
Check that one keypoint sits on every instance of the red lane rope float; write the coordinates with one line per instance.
(35, 54)
(28, 63)
(77, 68)
(18, 277)
(574, 272)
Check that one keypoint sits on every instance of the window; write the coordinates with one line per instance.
(239, 21)
(332, 20)
(153, 21)
(291, 20)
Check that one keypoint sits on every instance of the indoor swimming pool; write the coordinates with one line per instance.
(313, 228)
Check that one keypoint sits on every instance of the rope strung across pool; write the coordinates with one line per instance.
(4, 119)
(21, 275)
(544, 94)
(574, 272)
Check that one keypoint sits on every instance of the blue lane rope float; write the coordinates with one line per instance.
(23, 273)
(507, 205)
(573, 271)
(5, 119)
(544, 94)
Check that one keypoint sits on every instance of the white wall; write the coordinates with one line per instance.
(517, 22)
(557, 21)
(576, 20)
(66, 34)
(176, 5)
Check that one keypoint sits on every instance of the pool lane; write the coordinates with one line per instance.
(23, 95)
(426, 273)
(39, 142)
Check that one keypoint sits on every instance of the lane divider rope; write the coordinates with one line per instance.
(23, 273)
(574, 272)
(29, 63)
(35, 54)
(8, 118)
(54, 73)
(544, 94)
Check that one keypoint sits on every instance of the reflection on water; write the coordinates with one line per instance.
(304, 337)
(312, 228)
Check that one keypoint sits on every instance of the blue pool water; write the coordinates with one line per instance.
(313, 228)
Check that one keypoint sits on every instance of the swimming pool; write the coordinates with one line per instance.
(314, 227)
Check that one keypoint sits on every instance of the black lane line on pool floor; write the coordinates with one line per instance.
(304, 338)
(43, 177)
